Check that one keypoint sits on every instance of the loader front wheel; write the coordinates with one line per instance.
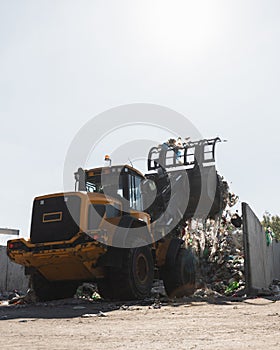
(179, 279)
(131, 281)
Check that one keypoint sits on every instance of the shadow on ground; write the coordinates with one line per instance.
(73, 308)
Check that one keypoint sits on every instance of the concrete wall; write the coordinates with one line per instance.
(262, 262)
(11, 275)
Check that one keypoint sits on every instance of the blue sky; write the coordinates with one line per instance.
(63, 62)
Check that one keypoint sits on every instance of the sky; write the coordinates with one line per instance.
(63, 62)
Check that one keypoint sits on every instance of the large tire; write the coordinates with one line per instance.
(46, 290)
(133, 280)
(179, 279)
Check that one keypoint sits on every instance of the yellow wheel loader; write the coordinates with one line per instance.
(122, 229)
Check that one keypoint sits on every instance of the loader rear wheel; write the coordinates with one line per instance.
(133, 280)
(46, 290)
(179, 279)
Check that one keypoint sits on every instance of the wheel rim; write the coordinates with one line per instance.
(142, 268)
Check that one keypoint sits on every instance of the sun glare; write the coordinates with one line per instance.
(183, 25)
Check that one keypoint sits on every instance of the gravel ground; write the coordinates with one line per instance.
(187, 324)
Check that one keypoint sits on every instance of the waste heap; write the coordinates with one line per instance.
(218, 247)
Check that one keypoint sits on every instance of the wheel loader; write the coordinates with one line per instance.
(121, 229)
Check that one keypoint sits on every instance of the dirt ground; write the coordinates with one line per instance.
(188, 324)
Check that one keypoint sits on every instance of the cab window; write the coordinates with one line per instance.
(135, 198)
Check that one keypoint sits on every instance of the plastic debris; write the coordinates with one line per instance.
(14, 294)
(232, 287)
(89, 315)
(269, 236)
(156, 305)
(158, 289)
(99, 314)
(28, 298)
(88, 291)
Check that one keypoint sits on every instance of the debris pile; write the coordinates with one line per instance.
(218, 247)
(275, 287)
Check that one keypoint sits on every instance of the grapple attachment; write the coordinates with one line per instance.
(187, 182)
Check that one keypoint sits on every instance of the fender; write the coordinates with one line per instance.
(115, 254)
(122, 232)
(113, 257)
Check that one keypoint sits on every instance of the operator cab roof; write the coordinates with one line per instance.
(114, 169)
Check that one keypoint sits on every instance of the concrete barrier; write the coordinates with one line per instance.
(262, 261)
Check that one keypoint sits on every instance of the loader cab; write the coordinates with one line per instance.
(122, 182)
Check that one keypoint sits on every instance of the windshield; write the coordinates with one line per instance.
(93, 184)
(109, 184)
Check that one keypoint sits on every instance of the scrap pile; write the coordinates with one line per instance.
(218, 247)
